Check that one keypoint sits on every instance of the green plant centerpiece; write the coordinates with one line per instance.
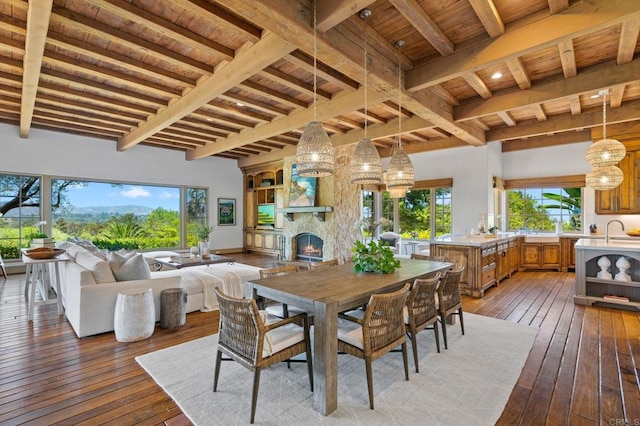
(375, 256)
(203, 231)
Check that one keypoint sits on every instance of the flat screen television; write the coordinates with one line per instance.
(266, 214)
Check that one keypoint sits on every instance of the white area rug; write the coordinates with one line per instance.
(469, 383)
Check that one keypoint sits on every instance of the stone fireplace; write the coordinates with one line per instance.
(308, 247)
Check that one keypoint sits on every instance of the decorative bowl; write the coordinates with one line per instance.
(40, 254)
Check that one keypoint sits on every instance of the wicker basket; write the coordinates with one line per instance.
(44, 254)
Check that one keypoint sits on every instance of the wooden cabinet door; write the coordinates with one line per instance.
(530, 255)
(623, 199)
(550, 255)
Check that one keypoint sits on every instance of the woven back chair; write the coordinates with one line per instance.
(314, 266)
(449, 300)
(383, 329)
(244, 337)
(421, 312)
(281, 310)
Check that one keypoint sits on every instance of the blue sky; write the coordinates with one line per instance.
(104, 194)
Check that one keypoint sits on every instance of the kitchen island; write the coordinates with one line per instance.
(602, 278)
(486, 258)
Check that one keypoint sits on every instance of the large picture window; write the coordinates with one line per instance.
(112, 215)
(20, 212)
(541, 209)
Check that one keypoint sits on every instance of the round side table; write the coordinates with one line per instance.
(135, 315)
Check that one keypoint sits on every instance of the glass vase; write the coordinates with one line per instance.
(204, 249)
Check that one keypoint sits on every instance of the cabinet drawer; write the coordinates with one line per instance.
(488, 276)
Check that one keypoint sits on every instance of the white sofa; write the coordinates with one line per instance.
(89, 297)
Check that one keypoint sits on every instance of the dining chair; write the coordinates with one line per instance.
(246, 337)
(280, 310)
(420, 312)
(377, 330)
(314, 266)
(449, 300)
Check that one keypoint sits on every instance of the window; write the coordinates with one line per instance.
(425, 208)
(20, 212)
(542, 208)
(197, 203)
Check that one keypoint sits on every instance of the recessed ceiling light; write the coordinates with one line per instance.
(209, 119)
(496, 75)
(596, 96)
(240, 104)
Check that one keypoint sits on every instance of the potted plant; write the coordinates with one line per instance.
(376, 256)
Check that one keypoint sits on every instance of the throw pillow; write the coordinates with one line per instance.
(391, 242)
(129, 267)
(98, 267)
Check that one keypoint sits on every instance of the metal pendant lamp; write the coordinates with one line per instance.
(606, 152)
(314, 153)
(365, 165)
(400, 174)
(602, 178)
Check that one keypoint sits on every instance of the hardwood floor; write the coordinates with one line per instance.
(584, 367)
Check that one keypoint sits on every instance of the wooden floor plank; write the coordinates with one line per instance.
(582, 369)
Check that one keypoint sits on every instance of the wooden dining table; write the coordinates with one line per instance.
(324, 293)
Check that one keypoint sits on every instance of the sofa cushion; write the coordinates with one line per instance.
(71, 248)
(98, 267)
(391, 242)
(129, 267)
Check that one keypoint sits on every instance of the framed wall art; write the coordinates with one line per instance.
(226, 211)
(302, 192)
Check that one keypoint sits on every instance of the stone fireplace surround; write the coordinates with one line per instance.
(337, 230)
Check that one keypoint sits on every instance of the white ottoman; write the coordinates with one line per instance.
(135, 315)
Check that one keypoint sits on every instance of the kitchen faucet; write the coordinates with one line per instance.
(527, 230)
(606, 232)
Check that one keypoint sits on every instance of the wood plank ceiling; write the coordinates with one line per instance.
(234, 78)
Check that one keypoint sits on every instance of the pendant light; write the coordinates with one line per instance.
(400, 174)
(365, 165)
(314, 153)
(606, 152)
(602, 178)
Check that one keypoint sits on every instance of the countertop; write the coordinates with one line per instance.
(617, 244)
(481, 240)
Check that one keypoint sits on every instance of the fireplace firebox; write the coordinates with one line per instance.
(309, 247)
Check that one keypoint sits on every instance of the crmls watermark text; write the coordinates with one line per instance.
(624, 422)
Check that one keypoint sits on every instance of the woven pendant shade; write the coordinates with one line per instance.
(365, 165)
(314, 155)
(606, 152)
(602, 178)
(400, 172)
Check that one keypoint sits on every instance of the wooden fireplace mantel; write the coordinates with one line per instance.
(318, 212)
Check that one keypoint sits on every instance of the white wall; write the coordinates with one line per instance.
(66, 155)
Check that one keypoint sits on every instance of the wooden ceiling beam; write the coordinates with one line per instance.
(230, 24)
(296, 120)
(629, 111)
(568, 58)
(103, 31)
(162, 26)
(231, 108)
(539, 112)
(519, 73)
(262, 54)
(580, 19)
(343, 48)
(628, 41)
(304, 61)
(615, 95)
(332, 12)
(272, 94)
(478, 85)
(556, 6)
(574, 104)
(587, 82)
(278, 76)
(489, 16)
(547, 140)
(507, 118)
(38, 14)
(248, 102)
(422, 22)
